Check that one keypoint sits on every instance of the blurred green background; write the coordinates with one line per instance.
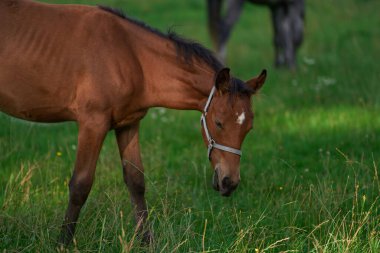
(309, 171)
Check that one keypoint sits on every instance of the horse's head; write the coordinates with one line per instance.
(226, 120)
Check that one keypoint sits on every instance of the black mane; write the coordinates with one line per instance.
(185, 48)
(239, 87)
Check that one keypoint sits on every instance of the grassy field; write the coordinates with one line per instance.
(310, 169)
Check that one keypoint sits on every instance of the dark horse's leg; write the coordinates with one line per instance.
(298, 22)
(90, 139)
(220, 26)
(282, 35)
(214, 9)
(133, 171)
(287, 19)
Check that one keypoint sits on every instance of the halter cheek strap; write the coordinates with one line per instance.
(211, 142)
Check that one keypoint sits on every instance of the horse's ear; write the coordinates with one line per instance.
(222, 80)
(257, 82)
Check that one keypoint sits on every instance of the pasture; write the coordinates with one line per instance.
(310, 167)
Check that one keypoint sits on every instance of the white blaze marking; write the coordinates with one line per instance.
(241, 118)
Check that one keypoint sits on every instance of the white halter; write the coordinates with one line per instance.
(211, 142)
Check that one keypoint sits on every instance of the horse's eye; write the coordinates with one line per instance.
(218, 124)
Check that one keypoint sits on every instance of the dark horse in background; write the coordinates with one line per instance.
(287, 19)
(104, 71)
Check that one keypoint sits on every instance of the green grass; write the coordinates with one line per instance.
(310, 169)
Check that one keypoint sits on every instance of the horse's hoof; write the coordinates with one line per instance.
(64, 241)
(147, 238)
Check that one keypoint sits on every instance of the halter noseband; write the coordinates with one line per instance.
(211, 142)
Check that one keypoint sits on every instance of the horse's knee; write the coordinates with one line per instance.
(139, 187)
(135, 183)
(79, 190)
(135, 186)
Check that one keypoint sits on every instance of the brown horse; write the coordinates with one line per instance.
(104, 70)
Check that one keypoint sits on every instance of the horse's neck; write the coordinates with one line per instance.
(175, 84)
(186, 88)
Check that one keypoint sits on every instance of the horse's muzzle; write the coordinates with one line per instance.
(225, 186)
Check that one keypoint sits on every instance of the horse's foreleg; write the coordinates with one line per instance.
(133, 171)
(288, 22)
(283, 36)
(220, 26)
(297, 14)
(214, 12)
(90, 139)
(233, 12)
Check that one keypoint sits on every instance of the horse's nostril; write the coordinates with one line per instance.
(226, 182)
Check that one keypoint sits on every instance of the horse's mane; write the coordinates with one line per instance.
(185, 48)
